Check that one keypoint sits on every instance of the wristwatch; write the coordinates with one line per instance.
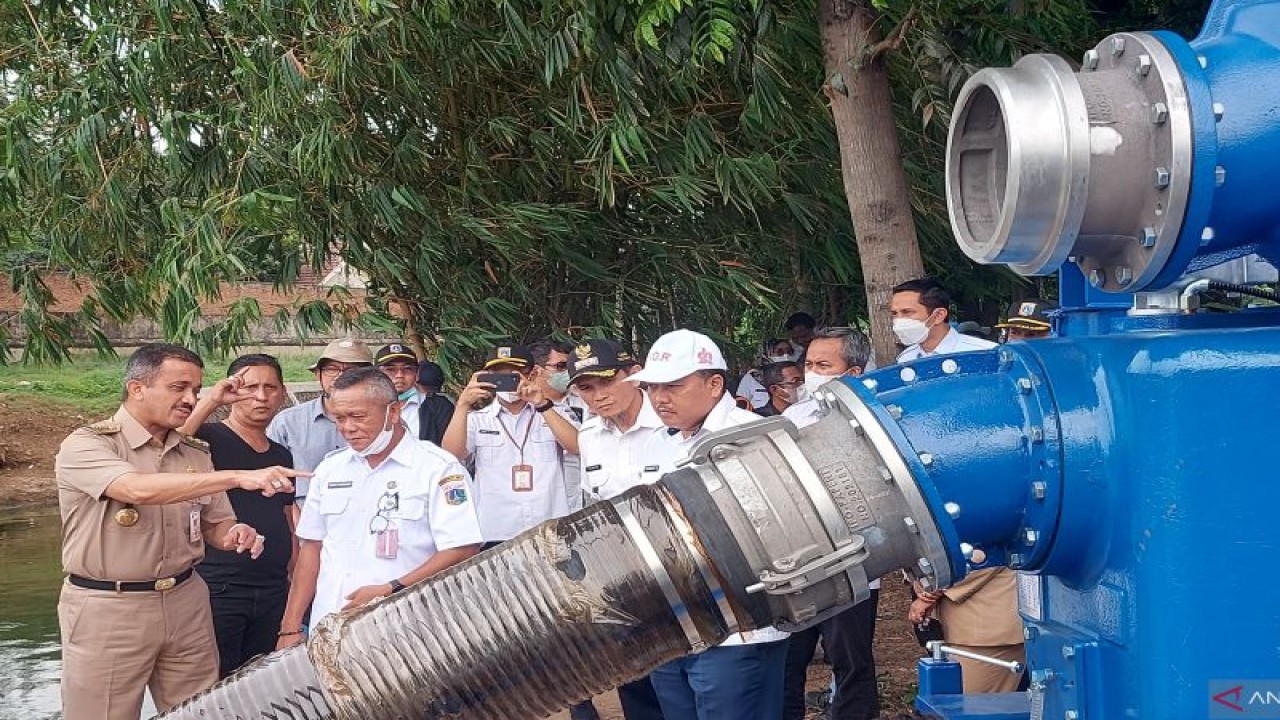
(545, 406)
(396, 585)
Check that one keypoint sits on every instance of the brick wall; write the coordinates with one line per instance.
(69, 294)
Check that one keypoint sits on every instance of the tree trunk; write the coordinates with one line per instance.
(870, 160)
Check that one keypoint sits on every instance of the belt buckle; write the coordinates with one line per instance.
(166, 583)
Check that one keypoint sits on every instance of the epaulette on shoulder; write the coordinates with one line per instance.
(196, 443)
(104, 427)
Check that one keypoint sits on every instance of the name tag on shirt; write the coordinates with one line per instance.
(651, 468)
(490, 432)
(339, 484)
(593, 468)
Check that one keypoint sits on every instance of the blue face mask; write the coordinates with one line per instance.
(408, 394)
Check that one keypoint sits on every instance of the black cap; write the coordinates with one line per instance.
(598, 358)
(430, 375)
(392, 352)
(1030, 315)
(508, 354)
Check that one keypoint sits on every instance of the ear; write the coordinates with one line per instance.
(134, 388)
(855, 370)
(717, 383)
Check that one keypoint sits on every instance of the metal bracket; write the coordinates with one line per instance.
(813, 571)
(700, 453)
(938, 648)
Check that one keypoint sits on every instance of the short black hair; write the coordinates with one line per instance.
(800, 319)
(932, 294)
(771, 374)
(146, 361)
(541, 349)
(256, 360)
(376, 383)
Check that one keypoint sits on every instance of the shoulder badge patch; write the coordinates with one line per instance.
(454, 488)
(104, 427)
(195, 442)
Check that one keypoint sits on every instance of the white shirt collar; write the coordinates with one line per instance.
(494, 407)
(647, 419)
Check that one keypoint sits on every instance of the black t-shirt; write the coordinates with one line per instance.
(433, 418)
(267, 515)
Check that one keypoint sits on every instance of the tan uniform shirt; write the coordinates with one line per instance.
(982, 609)
(161, 543)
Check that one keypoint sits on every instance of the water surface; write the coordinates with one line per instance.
(30, 574)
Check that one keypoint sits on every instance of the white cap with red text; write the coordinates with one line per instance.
(679, 354)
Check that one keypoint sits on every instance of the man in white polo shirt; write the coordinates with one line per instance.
(610, 444)
(847, 637)
(385, 512)
(921, 321)
(743, 676)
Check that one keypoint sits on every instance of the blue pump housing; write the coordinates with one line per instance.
(1123, 466)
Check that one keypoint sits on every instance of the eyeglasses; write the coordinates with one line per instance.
(557, 367)
(797, 382)
(333, 371)
(387, 504)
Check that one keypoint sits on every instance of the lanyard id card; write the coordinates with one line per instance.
(522, 478)
(388, 544)
(194, 523)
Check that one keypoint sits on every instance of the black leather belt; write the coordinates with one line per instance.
(162, 584)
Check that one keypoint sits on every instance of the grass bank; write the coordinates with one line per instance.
(92, 384)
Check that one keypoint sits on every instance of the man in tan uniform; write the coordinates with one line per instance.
(979, 614)
(139, 501)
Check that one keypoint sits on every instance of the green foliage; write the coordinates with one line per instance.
(496, 168)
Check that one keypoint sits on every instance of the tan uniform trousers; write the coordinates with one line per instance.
(114, 645)
(980, 677)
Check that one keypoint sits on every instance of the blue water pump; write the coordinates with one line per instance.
(1122, 467)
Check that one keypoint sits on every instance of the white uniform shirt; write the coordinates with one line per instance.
(804, 414)
(572, 463)
(952, 342)
(435, 510)
(755, 393)
(409, 413)
(494, 439)
(661, 451)
(612, 459)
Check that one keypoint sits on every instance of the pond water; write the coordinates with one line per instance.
(30, 576)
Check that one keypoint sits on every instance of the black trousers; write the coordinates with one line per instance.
(246, 619)
(639, 701)
(846, 640)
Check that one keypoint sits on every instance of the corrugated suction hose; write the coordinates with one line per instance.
(561, 613)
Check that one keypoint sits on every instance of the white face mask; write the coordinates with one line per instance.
(910, 331)
(813, 381)
(508, 397)
(779, 358)
(796, 395)
(559, 381)
(381, 442)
